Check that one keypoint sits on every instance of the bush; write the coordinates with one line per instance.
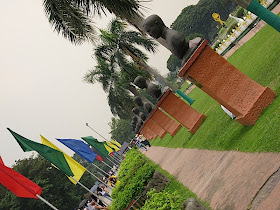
(234, 25)
(240, 12)
(163, 200)
(134, 175)
(217, 44)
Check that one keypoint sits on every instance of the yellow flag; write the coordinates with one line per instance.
(116, 143)
(113, 146)
(77, 169)
(109, 149)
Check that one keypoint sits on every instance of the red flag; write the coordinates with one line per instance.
(97, 157)
(1, 161)
(17, 183)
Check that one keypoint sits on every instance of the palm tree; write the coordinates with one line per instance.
(117, 38)
(72, 18)
(115, 78)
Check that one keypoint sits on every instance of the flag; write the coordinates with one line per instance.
(98, 146)
(77, 169)
(97, 157)
(17, 183)
(109, 149)
(116, 143)
(52, 155)
(112, 146)
(80, 148)
(1, 161)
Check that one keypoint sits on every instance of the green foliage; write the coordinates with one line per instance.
(117, 67)
(121, 129)
(57, 189)
(234, 25)
(221, 30)
(217, 44)
(173, 63)
(240, 12)
(72, 19)
(186, 86)
(176, 187)
(173, 78)
(198, 18)
(194, 35)
(163, 200)
(134, 174)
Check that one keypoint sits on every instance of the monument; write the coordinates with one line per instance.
(242, 96)
(172, 106)
(179, 47)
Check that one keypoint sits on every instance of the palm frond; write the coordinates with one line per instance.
(69, 20)
(134, 37)
(103, 51)
(125, 9)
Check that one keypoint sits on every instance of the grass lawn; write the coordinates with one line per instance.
(259, 59)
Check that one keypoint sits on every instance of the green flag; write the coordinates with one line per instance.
(54, 156)
(97, 145)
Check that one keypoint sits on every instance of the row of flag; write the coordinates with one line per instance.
(23, 187)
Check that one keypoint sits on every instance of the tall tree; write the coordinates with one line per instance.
(116, 70)
(121, 130)
(126, 42)
(115, 82)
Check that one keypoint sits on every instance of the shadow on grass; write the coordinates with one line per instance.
(236, 137)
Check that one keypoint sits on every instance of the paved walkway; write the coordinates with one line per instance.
(228, 180)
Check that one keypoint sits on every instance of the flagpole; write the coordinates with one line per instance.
(106, 164)
(88, 189)
(46, 202)
(117, 159)
(99, 179)
(119, 156)
(118, 162)
(99, 173)
(100, 169)
(96, 131)
(110, 161)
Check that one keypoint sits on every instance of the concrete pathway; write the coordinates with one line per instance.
(226, 179)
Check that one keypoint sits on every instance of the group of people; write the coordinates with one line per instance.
(92, 205)
(140, 141)
(93, 200)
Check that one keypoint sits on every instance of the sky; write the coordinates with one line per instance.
(41, 87)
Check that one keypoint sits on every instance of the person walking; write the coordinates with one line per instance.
(104, 193)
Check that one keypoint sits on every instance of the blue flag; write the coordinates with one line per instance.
(80, 148)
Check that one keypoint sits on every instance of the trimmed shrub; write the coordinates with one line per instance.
(234, 25)
(134, 175)
(240, 12)
(163, 200)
